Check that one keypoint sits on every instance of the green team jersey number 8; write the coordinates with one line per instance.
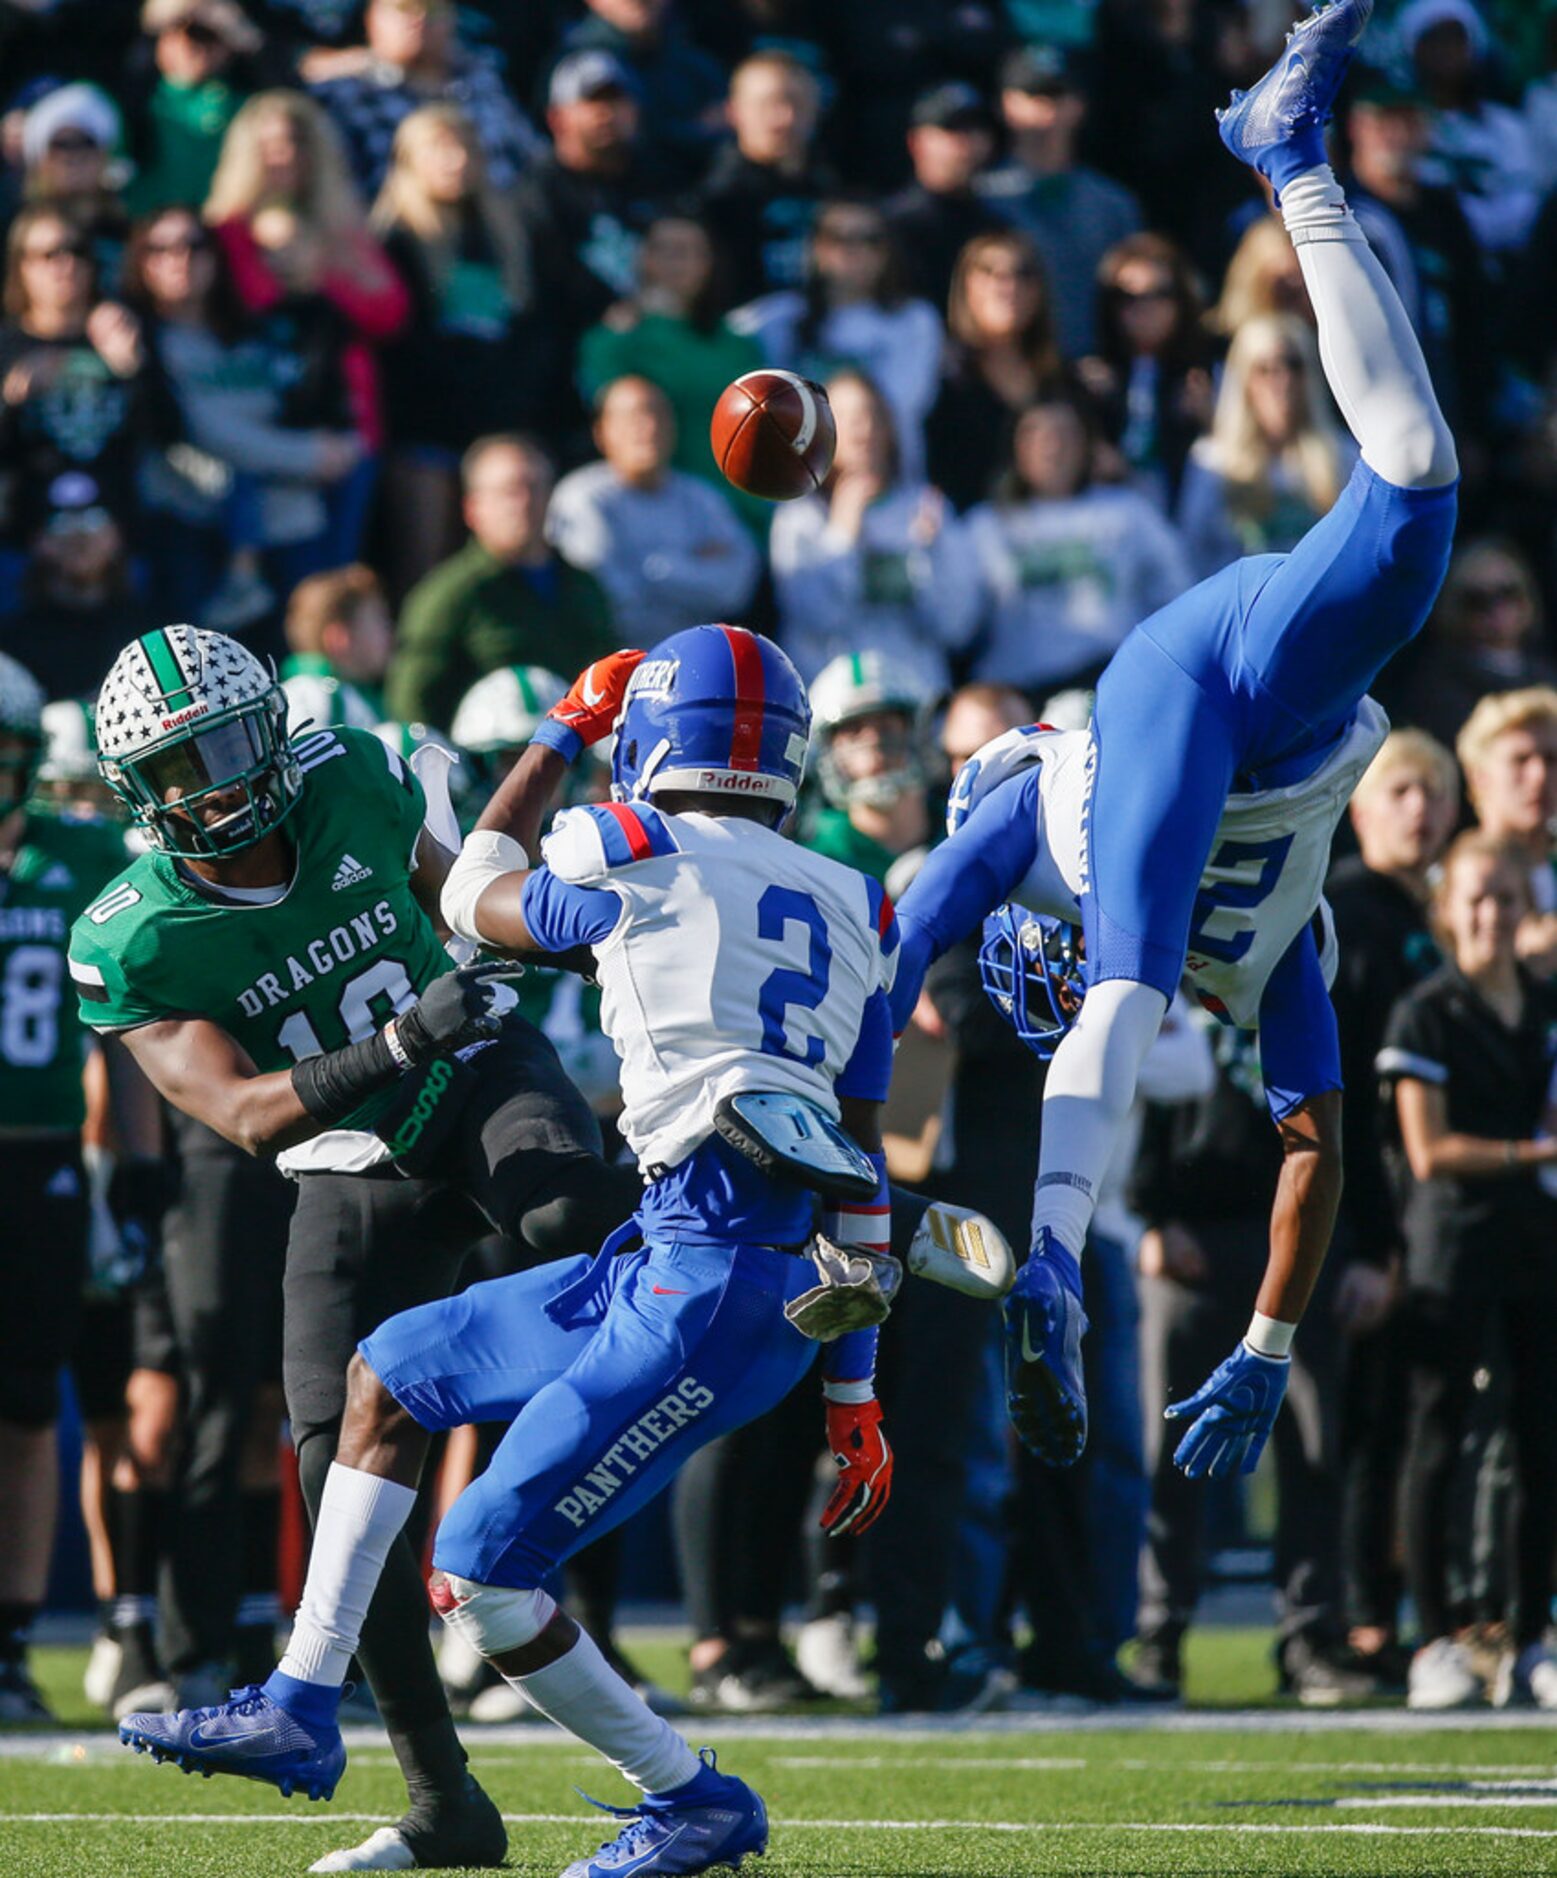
(368, 1001)
(29, 1006)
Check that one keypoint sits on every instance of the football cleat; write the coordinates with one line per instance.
(251, 1736)
(464, 1830)
(1277, 126)
(717, 1829)
(1046, 1396)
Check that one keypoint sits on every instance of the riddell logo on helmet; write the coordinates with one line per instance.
(183, 717)
(727, 782)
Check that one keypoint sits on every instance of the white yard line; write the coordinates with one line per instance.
(816, 1825)
(1535, 1771)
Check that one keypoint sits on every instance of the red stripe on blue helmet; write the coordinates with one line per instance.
(751, 690)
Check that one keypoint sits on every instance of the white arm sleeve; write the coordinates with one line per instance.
(485, 857)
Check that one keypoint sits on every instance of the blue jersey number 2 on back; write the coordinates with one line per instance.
(784, 987)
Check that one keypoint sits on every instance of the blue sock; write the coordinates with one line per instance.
(1303, 150)
(705, 1786)
(312, 1703)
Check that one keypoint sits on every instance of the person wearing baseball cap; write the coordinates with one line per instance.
(951, 138)
(583, 207)
(197, 68)
(1073, 213)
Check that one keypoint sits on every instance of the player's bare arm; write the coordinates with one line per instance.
(1308, 1192)
(196, 1066)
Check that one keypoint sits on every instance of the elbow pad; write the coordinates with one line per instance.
(485, 856)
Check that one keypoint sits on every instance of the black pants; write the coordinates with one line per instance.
(1373, 1447)
(1447, 1339)
(523, 1159)
(1185, 1332)
(43, 1264)
(224, 1250)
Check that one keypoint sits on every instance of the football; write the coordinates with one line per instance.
(773, 435)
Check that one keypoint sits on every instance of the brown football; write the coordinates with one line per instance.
(773, 435)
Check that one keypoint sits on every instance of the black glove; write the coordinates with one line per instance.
(453, 1011)
(138, 1195)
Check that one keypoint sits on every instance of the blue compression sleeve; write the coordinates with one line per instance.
(868, 1072)
(1300, 1047)
(963, 879)
(561, 916)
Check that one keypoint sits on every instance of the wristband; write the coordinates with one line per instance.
(863, 1391)
(553, 734)
(1269, 1336)
(486, 856)
(331, 1086)
(391, 1035)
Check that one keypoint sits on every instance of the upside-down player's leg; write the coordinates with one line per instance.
(1261, 663)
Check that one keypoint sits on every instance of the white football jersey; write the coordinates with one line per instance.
(741, 961)
(1263, 883)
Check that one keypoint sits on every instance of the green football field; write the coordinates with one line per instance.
(1246, 1790)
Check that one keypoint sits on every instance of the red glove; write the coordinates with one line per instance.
(864, 1467)
(595, 701)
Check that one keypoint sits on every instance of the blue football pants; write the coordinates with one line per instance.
(1261, 665)
(612, 1372)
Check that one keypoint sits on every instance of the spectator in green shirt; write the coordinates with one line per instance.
(506, 598)
(671, 334)
(199, 58)
(338, 626)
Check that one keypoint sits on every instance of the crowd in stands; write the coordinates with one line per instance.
(386, 336)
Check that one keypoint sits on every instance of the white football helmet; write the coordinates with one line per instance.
(317, 701)
(68, 777)
(21, 732)
(192, 738)
(857, 685)
(503, 711)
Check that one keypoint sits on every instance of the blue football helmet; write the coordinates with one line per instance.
(1031, 967)
(715, 710)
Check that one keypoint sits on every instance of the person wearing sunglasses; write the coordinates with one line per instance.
(1485, 638)
(1274, 461)
(69, 144)
(75, 395)
(194, 67)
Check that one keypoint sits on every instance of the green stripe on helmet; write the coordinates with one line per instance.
(164, 664)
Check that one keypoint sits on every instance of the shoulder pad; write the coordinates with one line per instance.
(588, 843)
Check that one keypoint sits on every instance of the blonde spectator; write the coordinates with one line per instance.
(1068, 564)
(1003, 352)
(1484, 637)
(1262, 277)
(469, 361)
(1275, 459)
(876, 560)
(1508, 751)
(283, 206)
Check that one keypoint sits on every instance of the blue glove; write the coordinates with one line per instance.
(1234, 1410)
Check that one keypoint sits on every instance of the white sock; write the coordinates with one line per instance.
(1370, 353)
(359, 1519)
(1086, 1098)
(582, 1693)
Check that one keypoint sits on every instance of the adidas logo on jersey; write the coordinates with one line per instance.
(349, 873)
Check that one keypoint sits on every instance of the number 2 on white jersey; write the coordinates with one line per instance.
(786, 987)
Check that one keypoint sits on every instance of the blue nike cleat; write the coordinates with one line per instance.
(1046, 1396)
(719, 1822)
(1277, 126)
(251, 1736)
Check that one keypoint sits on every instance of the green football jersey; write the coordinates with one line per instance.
(60, 866)
(327, 963)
